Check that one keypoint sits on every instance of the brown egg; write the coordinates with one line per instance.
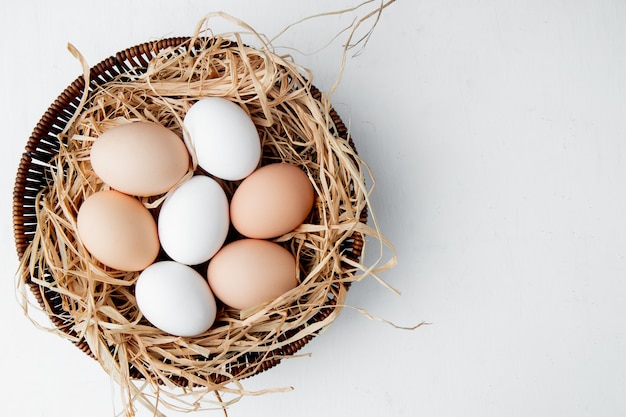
(118, 230)
(140, 158)
(248, 272)
(273, 200)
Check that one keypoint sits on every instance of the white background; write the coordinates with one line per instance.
(496, 133)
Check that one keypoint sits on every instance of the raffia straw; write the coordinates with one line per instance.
(98, 302)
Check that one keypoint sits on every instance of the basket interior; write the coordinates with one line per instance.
(33, 174)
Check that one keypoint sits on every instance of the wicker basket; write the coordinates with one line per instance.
(32, 178)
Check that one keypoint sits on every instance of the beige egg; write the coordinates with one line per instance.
(273, 200)
(248, 272)
(118, 230)
(141, 158)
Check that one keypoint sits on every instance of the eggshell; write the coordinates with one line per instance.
(194, 221)
(249, 272)
(118, 230)
(140, 158)
(224, 138)
(175, 298)
(273, 200)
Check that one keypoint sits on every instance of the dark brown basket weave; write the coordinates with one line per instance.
(32, 176)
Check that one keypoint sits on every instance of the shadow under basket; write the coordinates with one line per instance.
(33, 176)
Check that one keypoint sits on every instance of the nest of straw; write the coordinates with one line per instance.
(94, 306)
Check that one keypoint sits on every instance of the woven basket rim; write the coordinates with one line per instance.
(42, 145)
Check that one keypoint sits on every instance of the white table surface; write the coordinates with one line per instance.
(496, 131)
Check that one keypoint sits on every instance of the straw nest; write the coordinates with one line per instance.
(94, 306)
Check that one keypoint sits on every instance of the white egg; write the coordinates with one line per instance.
(193, 221)
(175, 298)
(224, 138)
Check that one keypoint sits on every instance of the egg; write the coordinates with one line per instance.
(273, 200)
(140, 158)
(193, 221)
(248, 272)
(224, 138)
(175, 298)
(118, 230)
